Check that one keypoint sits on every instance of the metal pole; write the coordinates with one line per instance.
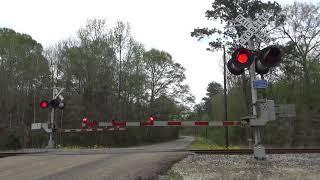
(258, 150)
(61, 118)
(225, 97)
(254, 95)
(51, 142)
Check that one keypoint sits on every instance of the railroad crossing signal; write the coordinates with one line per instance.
(56, 102)
(265, 59)
(242, 57)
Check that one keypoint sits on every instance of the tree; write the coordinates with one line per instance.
(97, 68)
(298, 78)
(226, 11)
(162, 73)
(24, 70)
(122, 40)
(301, 31)
(213, 89)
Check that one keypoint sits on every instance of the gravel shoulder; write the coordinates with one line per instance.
(284, 166)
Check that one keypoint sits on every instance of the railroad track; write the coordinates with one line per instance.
(2, 155)
(250, 151)
(216, 151)
(6, 154)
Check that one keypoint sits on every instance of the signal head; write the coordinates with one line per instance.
(270, 56)
(54, 103)
(242, 58)
(260, 68)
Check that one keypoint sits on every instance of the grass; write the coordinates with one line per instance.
(201, 143)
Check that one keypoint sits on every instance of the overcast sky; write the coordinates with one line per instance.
(161, 24)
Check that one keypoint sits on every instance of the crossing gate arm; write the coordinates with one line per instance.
(170, 124)
(89, 130)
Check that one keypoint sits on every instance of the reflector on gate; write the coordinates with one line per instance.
(119, 123)
(231, 123)
(201, 123)
(174, 123)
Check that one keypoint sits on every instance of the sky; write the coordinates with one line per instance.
(160, 24)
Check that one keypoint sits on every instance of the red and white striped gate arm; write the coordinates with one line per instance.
(89, 130)
(169, 123)
(120, 125)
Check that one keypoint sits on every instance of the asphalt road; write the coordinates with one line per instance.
(143, 162)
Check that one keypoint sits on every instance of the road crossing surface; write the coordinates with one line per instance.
(139, 162)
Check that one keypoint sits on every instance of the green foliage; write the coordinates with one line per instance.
(201, 143)
(164, 76)
(226, 11)
(12, 142)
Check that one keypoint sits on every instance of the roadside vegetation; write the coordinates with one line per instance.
(107, 75)
(201, 143)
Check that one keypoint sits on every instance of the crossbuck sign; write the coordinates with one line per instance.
(253, 28)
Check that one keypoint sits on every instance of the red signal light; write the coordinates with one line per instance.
(151, 120)
(85, 120)
(44, 104)
(243, 56)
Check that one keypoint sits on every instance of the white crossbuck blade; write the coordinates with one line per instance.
(253, 28)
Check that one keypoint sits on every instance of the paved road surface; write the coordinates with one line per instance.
(113, 163)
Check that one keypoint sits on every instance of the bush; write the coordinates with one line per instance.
(13, 142)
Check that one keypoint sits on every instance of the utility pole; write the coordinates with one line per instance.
(225, 97)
